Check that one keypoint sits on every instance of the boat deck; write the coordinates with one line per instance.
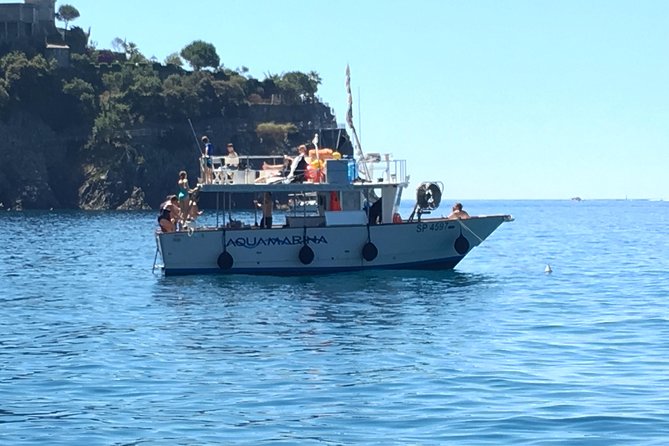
(337, 175)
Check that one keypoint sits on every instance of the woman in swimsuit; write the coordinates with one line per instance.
(169, 214)
(183, 190)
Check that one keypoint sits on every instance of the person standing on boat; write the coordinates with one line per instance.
(169, 214)
(207, 162)
(298, 166)
(183, 191)
(193, 210)
(267, 207)
(376, 212)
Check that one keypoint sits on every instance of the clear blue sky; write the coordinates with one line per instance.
(498, 99)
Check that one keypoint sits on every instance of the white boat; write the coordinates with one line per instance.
(331, 240)
(356, 226)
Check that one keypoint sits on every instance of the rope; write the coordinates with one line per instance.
(547, 270)
(480, 239)
(472, 232)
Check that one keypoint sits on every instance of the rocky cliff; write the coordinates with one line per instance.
(43, 169)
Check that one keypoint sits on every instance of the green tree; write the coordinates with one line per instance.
(4, 96)
(144, 96)
(274, 136)
(138, 87)
(118, 82)
(200, 54)
(110, 125)
(27, 81)
(297, 87)
(181, 98)
(189, 96)
(132, 53)
(83, 94)
(314, 80)
(269, 86)
(174, 59)
(118, 45)
(67, 13)
(231, 91)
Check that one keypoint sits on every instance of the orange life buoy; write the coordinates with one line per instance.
(322, 153)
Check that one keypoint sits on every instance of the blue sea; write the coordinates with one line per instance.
(98, 349)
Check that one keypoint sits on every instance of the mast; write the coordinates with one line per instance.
(349, 121)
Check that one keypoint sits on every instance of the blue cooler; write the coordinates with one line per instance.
(338, 171)
(352, 170)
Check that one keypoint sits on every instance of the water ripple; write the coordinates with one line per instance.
(95, 349)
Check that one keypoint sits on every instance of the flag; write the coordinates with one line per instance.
(349, 121)
(349, 113)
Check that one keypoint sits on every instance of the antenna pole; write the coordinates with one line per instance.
(349, 121)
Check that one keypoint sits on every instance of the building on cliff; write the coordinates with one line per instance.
(33, 21)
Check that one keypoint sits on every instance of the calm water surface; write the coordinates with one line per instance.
(95, 349)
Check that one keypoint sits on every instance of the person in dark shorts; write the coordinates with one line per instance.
(169, 214)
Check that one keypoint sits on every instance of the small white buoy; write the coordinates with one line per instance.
(548, 269)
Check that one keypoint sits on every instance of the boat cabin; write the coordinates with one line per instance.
(335, 192)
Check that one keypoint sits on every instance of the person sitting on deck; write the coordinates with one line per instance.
(272, 173)
(298, 166)
(458, 213)
(231, 159)
(281, 169)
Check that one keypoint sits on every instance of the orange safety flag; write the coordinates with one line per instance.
(334, 202)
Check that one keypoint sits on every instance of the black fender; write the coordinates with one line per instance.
(306, 255)
(369, 251)
(225, 260)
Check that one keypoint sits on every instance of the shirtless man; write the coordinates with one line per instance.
(458, 212)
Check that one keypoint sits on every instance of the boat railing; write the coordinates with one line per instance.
(383, 168)
(254, 169)
(249, 161)
(239, 169)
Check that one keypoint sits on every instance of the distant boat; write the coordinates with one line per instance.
(576, 199)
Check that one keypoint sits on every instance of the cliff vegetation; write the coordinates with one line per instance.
(110, 128)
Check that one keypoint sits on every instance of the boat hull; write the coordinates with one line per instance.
(431, 244)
